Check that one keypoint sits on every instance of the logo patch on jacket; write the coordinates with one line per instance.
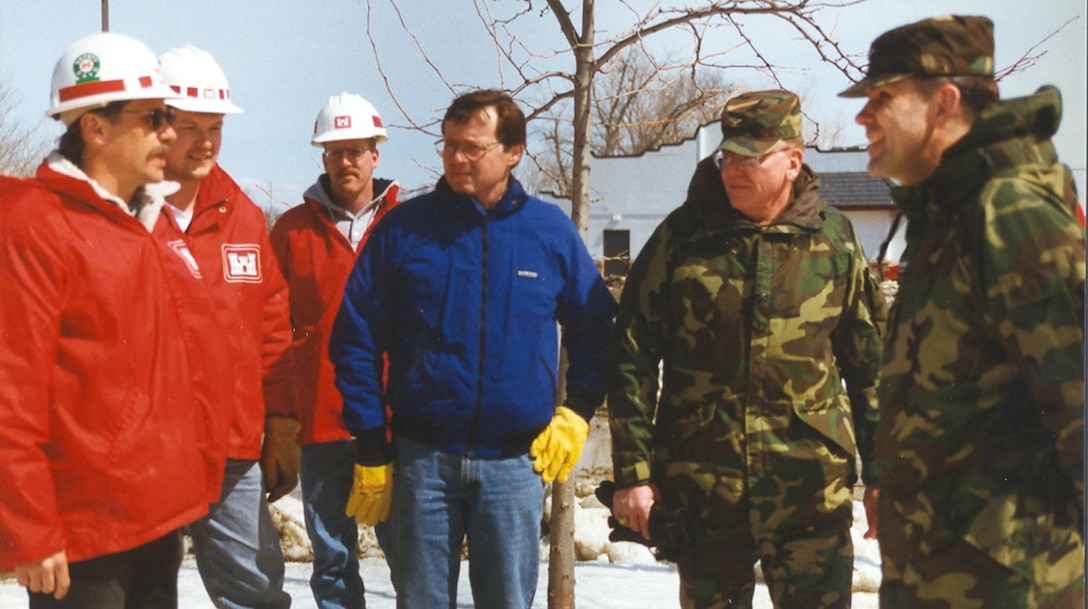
(181, 248)
(527, 273)
(241, 263)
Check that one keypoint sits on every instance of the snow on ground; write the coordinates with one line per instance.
(598, 584)
(607, 576)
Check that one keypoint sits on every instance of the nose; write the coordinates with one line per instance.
(167, 133)
(865, 116)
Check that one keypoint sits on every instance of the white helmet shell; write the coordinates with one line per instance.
(194, 75)
(347, 117)
(103, 68)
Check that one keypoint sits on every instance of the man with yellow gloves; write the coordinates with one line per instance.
(456, 297)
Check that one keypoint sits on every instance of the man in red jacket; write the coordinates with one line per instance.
(316, 244)
(236, 545)
(105, 449)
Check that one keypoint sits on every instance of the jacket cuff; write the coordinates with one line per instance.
(583, 402)
(868, 473)
(372, 448)
(636, 474)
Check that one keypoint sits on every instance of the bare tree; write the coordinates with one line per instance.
(638, 104)
(21, 148)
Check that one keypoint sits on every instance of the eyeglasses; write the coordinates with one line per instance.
(156, 118)
(724, 159)
(472, 152)
(351, 154)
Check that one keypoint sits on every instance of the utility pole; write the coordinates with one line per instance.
(105, 15)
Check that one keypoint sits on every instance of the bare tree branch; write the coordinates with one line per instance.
(1030, 57)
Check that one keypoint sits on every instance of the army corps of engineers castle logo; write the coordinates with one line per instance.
(86, 68)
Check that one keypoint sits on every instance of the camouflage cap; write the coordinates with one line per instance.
(754, 123)
(951, 45)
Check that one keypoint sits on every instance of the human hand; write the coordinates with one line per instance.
(47, 576)
(631, 507)
(280, 456)
(869, 500)
(371, 497)
(557, 449)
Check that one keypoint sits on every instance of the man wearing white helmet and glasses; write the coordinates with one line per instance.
(317, 243)
(106, 445)
(236, 545)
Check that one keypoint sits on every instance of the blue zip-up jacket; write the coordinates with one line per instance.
(466, 301)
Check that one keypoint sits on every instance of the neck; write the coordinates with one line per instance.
(98, 170)
(492, 198)
(941, 140)
(185, 198)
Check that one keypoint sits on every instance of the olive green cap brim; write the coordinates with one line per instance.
(861, 89)
(749, 146)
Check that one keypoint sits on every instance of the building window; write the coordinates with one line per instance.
(617, 252)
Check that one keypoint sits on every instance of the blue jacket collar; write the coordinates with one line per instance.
(512, 200)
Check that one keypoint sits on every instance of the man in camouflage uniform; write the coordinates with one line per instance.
(980, 449)
(758, 299)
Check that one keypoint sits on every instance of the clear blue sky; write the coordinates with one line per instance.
(285, 58)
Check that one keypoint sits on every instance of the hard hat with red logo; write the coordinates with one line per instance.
(347, 117)
(103, 68)
(194, 75)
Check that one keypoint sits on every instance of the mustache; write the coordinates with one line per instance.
(159, 150)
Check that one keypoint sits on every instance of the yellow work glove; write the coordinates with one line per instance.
(280, 456)
(371, 494)
(557, 449)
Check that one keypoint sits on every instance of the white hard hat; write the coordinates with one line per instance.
(194, 74)
(103, 68)
(347, 117)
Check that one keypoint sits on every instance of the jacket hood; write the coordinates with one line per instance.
(708, 201)
(318, 192)
(146, 203)
(1035, 117)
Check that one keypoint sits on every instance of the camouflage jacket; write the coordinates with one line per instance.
(982, 385)
(745, 319)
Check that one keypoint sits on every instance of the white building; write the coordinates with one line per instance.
(630, 196)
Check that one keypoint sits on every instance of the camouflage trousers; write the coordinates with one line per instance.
(923, 570)
(810, 570)
(782, 498)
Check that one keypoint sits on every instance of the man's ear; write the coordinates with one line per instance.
(796, 160)
(949, 103)
(515, 153)
(92, 126)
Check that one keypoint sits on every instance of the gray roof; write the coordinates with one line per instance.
(854, 189)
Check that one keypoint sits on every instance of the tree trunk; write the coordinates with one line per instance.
(561, 558)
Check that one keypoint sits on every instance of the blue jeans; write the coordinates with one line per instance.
(438, 499)
(237, 547)
(326, 476)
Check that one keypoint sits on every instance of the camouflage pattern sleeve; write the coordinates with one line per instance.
(857, 346)
(638, 344)
(1034, 271)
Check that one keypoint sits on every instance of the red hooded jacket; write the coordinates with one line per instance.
(104, 423)
(316, 259)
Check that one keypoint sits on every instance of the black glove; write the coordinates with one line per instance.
(671, 530)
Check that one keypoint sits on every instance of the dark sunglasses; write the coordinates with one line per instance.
(156, 118)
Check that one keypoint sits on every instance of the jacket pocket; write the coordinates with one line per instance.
(679, 420)
(833, 420)
(125, 426)
(1032, 545)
